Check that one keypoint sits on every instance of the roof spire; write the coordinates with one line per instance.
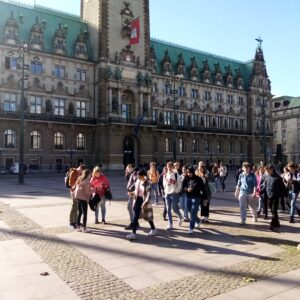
(259, 40)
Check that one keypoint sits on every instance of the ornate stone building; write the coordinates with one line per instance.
(286, 126)
(93, 95)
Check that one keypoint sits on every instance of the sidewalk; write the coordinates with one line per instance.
(34, 239)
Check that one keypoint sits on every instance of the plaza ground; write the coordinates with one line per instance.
(41, 258)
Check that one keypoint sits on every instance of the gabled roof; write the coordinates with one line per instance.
(175, 50)
(26, 16)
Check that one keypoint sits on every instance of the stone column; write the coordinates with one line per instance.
(109, 100)
(141, 103)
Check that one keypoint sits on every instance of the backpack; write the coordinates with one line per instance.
(178, 185)
(67, 178)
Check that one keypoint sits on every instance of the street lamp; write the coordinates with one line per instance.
(23, 50)
(263, 107)
(175, 78)
(71, 152)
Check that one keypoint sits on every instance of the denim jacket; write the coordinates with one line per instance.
(246, 183)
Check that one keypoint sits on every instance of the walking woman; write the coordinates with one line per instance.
(100, 183)
(205, 202)
(82, 195)
(195, 191)
(142, 194)
(222, 175)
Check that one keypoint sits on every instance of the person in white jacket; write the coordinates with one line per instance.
(171, 182)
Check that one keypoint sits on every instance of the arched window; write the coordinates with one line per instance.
(9, 138)
(35, 140)
(195, 146)
(80, 141)
(59, 140)
(168, 145)
(181, 146)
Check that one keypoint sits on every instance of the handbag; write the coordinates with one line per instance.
(108, 194)
(147, 212)
(94, 201)
(212, 188)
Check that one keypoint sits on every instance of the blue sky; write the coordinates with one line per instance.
(228, 28)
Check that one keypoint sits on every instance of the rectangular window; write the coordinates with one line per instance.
(35, 104)
(220, 147)
(59, 71)
(219, 97)
(207, 121)
(206, 147)
(241, 100)
(242, 124)
(36, 67)
(181, 119)
(231, 123)
(11, 63)
(155, 115)
(59, 107)
(167, 117)
(181, 91)
(168, 89)
(231, 147)
(194, 94)
(219, 122)
(195, 120)
(126, 111)
(10, 102)
(80, 109)
(81, 75)
(230, 99)
(207, 95)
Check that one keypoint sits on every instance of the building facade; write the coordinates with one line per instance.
(286, 125)
(92, 95)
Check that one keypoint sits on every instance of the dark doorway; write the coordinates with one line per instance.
(8, 163)
(128, 150)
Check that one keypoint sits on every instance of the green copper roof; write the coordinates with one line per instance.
(26, 16)
(175, 50)
(294, 102)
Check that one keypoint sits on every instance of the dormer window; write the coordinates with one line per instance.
(36, 40)
(59, 40)
(11, 31)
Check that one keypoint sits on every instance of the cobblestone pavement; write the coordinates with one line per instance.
(91, 281)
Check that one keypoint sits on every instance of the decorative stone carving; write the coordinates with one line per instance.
(36, 40)
(218, 75)
(206, 72)
(228, 77)
(11, 31)
(167, 64)
(71, 109)
(139, 78)
(48, 106)
(127, 17)
(81, 50)
(118, 74)
(59, 40)
(153, 63)
(239, 79)
(148, 80)
(194, 72)
(180, 65)
(127, 55)
(108, 73)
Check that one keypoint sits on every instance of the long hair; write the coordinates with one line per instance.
(83, 176)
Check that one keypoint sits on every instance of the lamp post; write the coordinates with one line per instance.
(22, 107)
(175, 78)
(264, 127)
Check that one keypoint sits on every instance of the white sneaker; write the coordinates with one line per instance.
(85, 230)
(243, 222)
(254, 219)
(170, 226)
(152, 232)
(131, 236)
(191, 231)
(180, 222)
(197, 225)
(79, 229)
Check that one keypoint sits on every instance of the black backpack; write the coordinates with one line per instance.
(94, 200)
(67, 177)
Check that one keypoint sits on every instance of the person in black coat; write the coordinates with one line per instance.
(194, 188)
(273, 187)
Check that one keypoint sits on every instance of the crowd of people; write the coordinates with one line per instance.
(183, 191)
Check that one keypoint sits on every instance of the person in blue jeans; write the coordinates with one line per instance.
(294, 188)
(194, 188)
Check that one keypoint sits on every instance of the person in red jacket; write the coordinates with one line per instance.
(100, 184)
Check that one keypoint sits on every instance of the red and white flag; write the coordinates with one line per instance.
(135, 31)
